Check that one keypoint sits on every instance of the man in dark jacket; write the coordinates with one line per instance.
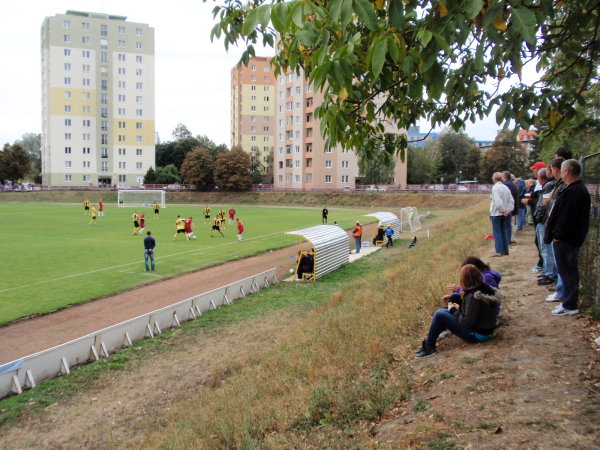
(514, 191)
(566, 229)
(149, 244)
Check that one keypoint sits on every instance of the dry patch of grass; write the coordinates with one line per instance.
(343, 365)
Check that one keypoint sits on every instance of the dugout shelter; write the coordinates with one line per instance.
(388, 218)
(330, 244)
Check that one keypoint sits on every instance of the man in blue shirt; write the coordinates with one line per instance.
(149, 244)
(389, 233)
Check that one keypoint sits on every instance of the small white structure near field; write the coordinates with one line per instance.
(331, 247)
(409, 219)
(388, 218)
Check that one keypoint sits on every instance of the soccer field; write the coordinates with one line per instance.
(52, 257)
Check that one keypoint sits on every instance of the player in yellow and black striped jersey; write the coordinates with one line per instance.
(180, 224)
(207, 215)
(156, 207)
(216, 226)
(136, 223)
(86, 207)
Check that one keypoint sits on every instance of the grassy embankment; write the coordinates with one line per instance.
(340, 367)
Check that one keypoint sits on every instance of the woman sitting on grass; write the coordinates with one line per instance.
(473, 320)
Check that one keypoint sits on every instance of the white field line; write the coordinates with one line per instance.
(119, 266)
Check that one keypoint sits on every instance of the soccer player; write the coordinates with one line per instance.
(93, 220)
(142, 222)
(156, 209)
(180, 225)
(207, 215)
(216, 226)
(324, 214)
(86, 207)
(189, 231)
(136, 223)
(231, 215)
(100, 208)
(240, 229)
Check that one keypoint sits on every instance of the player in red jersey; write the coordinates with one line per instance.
(240, 229)
(231, 215)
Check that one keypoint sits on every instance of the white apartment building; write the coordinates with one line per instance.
(97, 100)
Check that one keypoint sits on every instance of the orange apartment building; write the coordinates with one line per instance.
(528, 138)
(253, 108)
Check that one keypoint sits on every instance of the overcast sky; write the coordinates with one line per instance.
(192, 74)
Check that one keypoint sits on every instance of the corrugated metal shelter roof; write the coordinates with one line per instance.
(388, 218)
(331, 245)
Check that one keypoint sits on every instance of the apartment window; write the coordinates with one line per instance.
(297, 133)
(121, 70)
(67, 108)
(66, 24)
(281, 150)
(67, 150)
(297, 119)
(309, 148)
(86, 110)
(67, 80)
(103, 30)
(85, 53)
(309, 162)
(265, 149)
(308, 178)
(87, 178)
(266, 98)
(103, 44)
(104, 166)
(138, 139)
(121, 84)
(121, 44)
(86, 136)
(138, 72)
(253, 138)
(67, 66)
(309, 102)
(104, 152)
(265, 88)
(104, 59)
(266, 118)
(280, 178)
(296, 164)
(290, 77)
(122, 152)
(265, 108)
(122, 165)
(138, 125)
(121, 30)
(252, 108)
(86, 150)
(138, 99)
(104, 125)
(138, 165)
(327, 178)
(288, 177)
(345, 179)
(121, 138)
(86, 164)
(288, 149)
(121, 111)
(67, 136)
(288, 92)
(138, 32)
(297, 178)
(138, 45)
(85, 67)
(253, 98)
(252, 128)
(104, 99)
(253, 68)
(309, 132)
(345, 164)
(67, 164)
(265, 128)
(121, 124)
(67, 122)
(252, 87)
(252, 118)
(87, 123)
(138, 58)
(265, 68)
(138, 85)
(85, 81)
(122, 178)
(138, 152)
(85, 25)
(297, 105)
(66, 52)
(308, 88)
(104, 85)
(281, 164)
(328, 164)
(104, 139)
(67, 38)
(328, 150)
(67, 94)
(253, 78)
(85, 39)
(138, 112)
(121, 97)
(68, 178)
(309, 117)
(121, 57)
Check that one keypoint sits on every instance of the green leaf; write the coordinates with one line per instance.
(396, 15)
(473, 7)
(335, 9)
(524, 23)
(441, 42)
(250, 22)
(279, 16)
(424, 36)
(264, 15)
(491, 13)
(338, 74)
(366, 13)
(393, 49)
(379, 54)
(347, 12)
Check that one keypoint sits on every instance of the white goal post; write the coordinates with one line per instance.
(409, 219)
(140, 198)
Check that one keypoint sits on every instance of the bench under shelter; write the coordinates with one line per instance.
(385, 219)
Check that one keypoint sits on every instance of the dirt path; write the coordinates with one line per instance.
(536, 385)
(29, 336)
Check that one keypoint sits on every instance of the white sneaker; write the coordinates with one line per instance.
(553, 298)
(560, 311)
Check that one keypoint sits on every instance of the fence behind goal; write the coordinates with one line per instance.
(141, 197)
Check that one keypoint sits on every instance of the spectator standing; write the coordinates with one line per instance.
(501, 206)
(507, 181)
(566, 229)
(548, 273)
(357, 233)
(240, 230)
(149, 244)
(324, 214)
(522, 215)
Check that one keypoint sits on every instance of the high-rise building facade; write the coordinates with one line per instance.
(301, 158)
(97, 100)
(253, 108)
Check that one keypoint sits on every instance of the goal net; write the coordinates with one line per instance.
(140, 198)
(409, 219)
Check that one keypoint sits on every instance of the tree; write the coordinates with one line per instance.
(233, 169)
(459, 156)
(167, 175)
(181, 132)
(406, 60)
(198, 168)
(14, 163)
(32, 144)
(372, 171)
(150, 177)
(174, 152)
(422, 163)
(506, 153)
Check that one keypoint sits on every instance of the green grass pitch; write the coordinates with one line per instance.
(52, 257)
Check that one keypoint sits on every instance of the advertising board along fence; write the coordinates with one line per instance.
(25, 372)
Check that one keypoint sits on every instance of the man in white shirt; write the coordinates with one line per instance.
(500, 208)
